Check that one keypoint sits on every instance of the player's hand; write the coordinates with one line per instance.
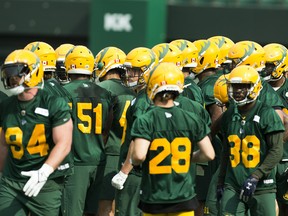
(37, 180)
(248, 188)
(220, 191)
(118, 180)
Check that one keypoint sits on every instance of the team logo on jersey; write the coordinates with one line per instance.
(286, 94)
(256, 118)
(176, 103)
(168, 115)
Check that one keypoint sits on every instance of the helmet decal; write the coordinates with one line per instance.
(35, 47)
(221, 42)
(182, 45)
(248, 51)
(204, 48)
(165, 50)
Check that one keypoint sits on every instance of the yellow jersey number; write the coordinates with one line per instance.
(37, 143)
(87, 128)
(123, 121)
(249, 151)
(177, 155)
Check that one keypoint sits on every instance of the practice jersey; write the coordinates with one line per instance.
(53, 87)
(194, 107)
(121, 96)
(283, 93)
(207, 87)
(28, 128)
(3, 96)
(90, 106)
(247, 143)
(138, 106)
(269, 96)
(167, 173)
(192, 91)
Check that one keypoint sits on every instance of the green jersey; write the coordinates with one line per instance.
(90, 112)
(269, 96)
(3, 96)
(138, 106)
(283, 93)
(207, 87)
(246, 138)
(28, 132)
(192, 91)
(122, 97)
(194, 107)
(168, 175)
(53, 87)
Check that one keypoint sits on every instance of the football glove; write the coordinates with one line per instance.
(37, 179)
(118, 180)
(248, 188)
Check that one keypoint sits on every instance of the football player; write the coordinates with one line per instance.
(37, 135)
(111, 75)
(252, 147)
(91, 107)
(163, 139)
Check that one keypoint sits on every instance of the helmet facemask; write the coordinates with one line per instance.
(20, 70)
(132, 73)
(252, 91)
(60, 73)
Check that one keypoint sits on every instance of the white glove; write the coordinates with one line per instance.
(118, 180)
(37, 179)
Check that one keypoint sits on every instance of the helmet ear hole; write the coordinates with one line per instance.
(201, 60)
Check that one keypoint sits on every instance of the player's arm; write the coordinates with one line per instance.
(223, 163)
(127, 166)
(216, 126)
(215, 112)
(119, 179)
(274, 155)
(139, 150)
(62, 137)
(205, 152)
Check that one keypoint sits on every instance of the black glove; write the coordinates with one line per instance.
(220, 191)
(248, 188)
